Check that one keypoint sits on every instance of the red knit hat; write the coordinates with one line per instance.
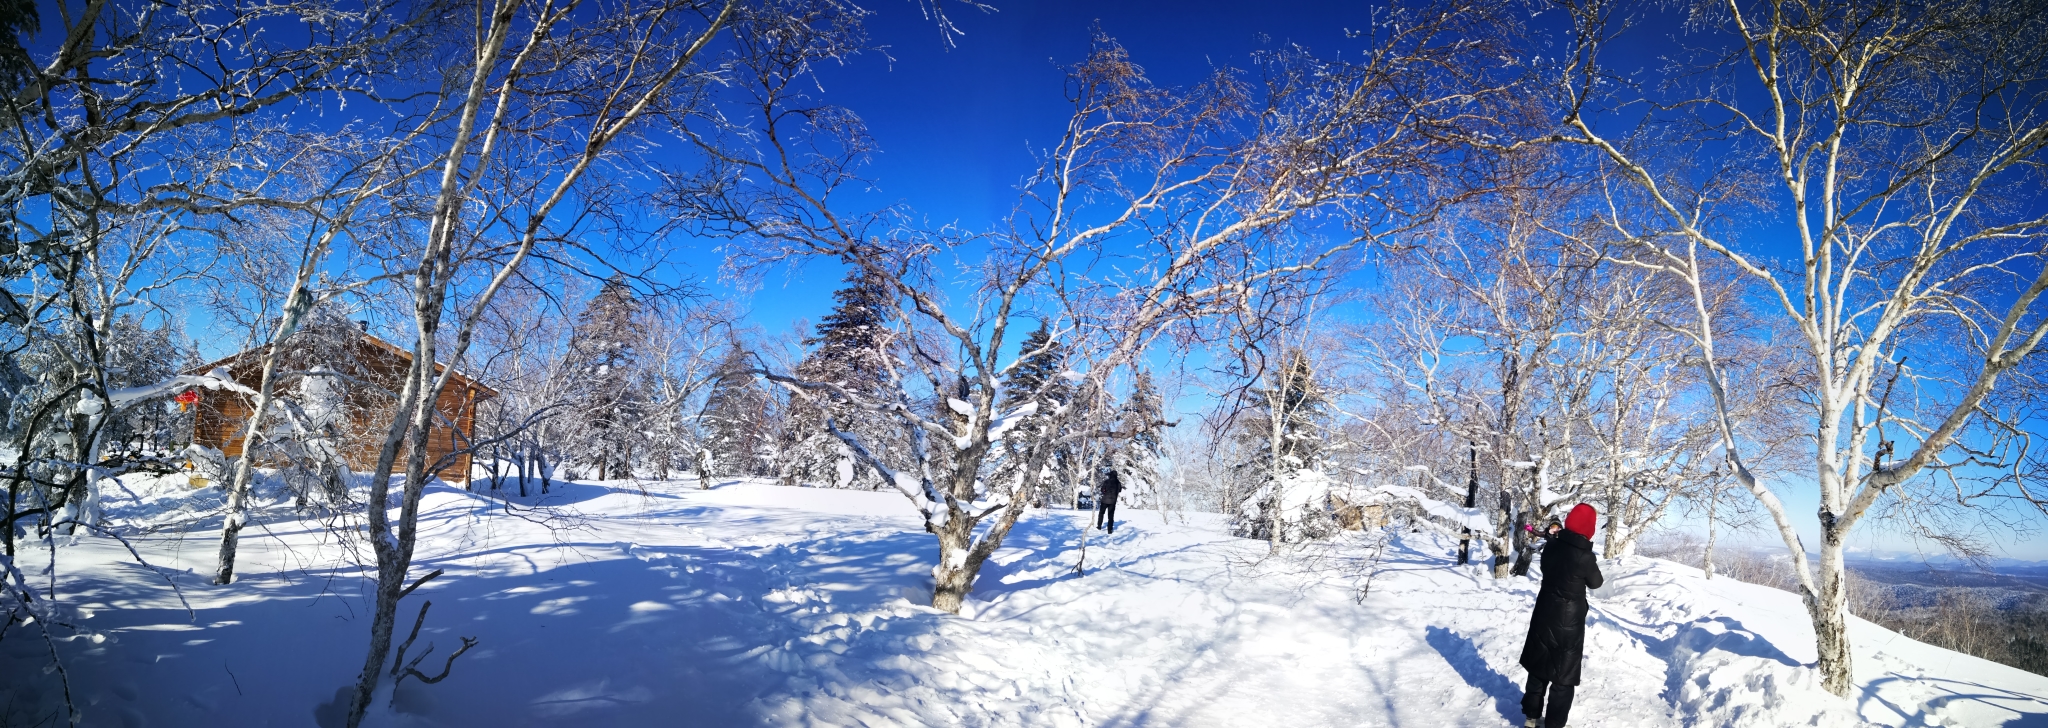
(1582, 521)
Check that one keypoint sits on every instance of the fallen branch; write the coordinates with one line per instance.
(408, 669)
(416, 622)
(467, 642)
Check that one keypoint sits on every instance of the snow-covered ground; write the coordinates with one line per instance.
(752, 604)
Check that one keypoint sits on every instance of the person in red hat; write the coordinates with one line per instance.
(1557, 630)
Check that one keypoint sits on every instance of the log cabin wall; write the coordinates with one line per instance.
(373, 371)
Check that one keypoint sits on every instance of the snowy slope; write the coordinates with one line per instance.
(759, 605)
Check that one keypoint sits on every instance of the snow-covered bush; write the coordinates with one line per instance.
(1303, 500)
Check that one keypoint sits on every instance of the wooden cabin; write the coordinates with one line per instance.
(370, 373)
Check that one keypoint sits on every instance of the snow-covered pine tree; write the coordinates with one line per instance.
(609, 393)
(1283, 429)
(851, 348)
(139, 355)
(1038, 378)
(1142, 422)
(735, 419)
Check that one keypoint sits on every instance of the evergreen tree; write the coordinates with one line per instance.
(609, 393)
(1036, 378)
(851, 348)
(1136, 458)
(138, 355)
(735, 417)
(1283, 431)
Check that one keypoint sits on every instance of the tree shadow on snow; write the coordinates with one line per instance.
(1957, 691)
(1463, 656)
(606, 634)
(559, 492)
(1044, 547)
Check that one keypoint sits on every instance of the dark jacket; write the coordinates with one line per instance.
(1557, 631)
(1110, 488)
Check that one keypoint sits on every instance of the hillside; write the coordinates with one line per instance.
(752, 604)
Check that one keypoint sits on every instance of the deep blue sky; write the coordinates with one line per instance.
(956, 124)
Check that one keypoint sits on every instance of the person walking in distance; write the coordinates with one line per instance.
(1557, 630)
(1105, 501)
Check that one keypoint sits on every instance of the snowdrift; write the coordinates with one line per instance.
(661, 604)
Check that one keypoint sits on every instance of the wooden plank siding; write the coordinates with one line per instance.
(376, 371)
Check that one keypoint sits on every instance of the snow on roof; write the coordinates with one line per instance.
(483, 391)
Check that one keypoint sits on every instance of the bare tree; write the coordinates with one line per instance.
(557, 85)
(366, 171)
(1900, 146)
(683, 358)
(1206, 182)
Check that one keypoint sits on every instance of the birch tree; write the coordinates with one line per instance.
(1890, 156)
(556, 84)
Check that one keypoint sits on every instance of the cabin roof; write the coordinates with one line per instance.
(483, 391)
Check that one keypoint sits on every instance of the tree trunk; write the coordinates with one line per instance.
(1830, 612)
(383, 618)
(244, 470)
(1471, 499)
(1522, 549)
(1611, 547)
(394, 551)
(953, 578)
(231, 524)
(497, 456)
(1503, 535)
(336, 479)
(1707, 564)
(524, 459)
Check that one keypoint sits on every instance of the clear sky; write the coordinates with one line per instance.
(956, 124)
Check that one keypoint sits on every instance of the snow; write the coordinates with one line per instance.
(1302, 503)
(218, 380)
(1005, 423)
(1472, 518)
(843, 467)
(752, 604)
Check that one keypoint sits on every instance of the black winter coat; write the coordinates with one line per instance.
(1110, 489)
(1557, 631)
